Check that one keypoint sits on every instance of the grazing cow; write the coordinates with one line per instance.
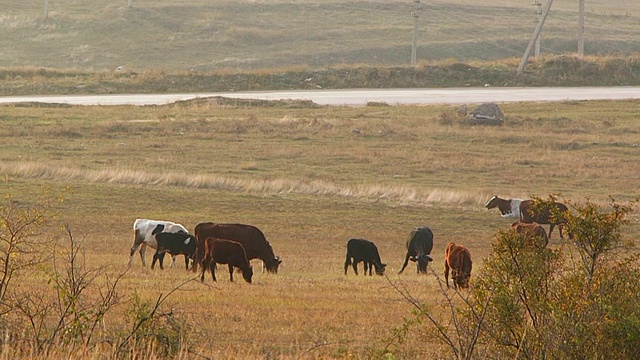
(222, 251)
(530, 214)
(174, 244)
(251, 238)
(419, 246)
(144, 231)
(458, 259)
(532, 231)
(509, 208)
(365, 251)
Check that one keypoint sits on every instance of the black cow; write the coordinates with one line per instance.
(419, 246)
(365, 251)
(174, 244)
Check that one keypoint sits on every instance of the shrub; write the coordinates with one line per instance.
(577, 301)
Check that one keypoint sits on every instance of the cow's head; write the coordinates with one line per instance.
(158, 229)
(421, 262)
(247, 274)
(493, 203)
(380, 268)
(272, 266)
(462, 279)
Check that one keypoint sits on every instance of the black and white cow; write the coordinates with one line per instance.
(174, 244)
(365, 251)
(143, 235)
(419, 246)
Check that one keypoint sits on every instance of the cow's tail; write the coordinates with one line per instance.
(198, 254)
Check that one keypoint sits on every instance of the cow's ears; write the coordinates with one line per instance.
(383, 265)
(278, 260)
(429, 258)
(412, 259)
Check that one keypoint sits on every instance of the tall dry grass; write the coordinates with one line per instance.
(405, 196)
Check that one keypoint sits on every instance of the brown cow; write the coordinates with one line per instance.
(221, 251)
(532, 231)
(458, 258)
(252, 239)
(529, 214)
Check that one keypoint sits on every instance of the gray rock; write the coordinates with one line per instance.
(486, 114)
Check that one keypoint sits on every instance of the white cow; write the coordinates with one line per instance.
(144, 231)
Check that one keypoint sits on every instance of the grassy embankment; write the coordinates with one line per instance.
(204, 46)
(546, 71)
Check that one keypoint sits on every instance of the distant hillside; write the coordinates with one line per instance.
(205, 36)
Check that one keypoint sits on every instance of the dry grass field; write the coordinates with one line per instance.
(310, 181)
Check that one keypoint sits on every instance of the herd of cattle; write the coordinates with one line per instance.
(237, 244)
(211, 244)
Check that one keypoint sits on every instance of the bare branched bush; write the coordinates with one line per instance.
(458, 330)
(22, 247)
(150, 324)
(71, 314)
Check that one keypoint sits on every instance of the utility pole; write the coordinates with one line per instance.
(46, 9)
(414, 46)
(580, 28)
(534, 36)
(536, 19)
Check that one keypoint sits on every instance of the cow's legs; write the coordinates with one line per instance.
(212, 268)
(135, 246)
(347, 262)
(159, 257)
(196, 261)
(446, 273)
(156, 257)
(355, 266)
(143, 247)
(133, 251)
(231, 272)
(560, 226)
(454, 277)
(204, 269)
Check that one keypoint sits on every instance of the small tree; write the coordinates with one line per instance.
(531, 302)
(541, 309)
(515, 283)
(595, 232)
